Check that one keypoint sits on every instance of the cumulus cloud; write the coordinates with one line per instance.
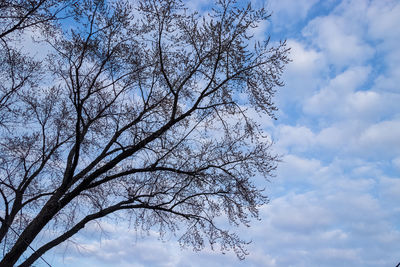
(327, 228)
(382, 139)
(334, 37)
(390, 188)
(298, 138)
(287, 12)
(396, 163)
(383, 20)
(299, 213)
(303, 75)
(327, 101)
(342, 101)
(342, 142)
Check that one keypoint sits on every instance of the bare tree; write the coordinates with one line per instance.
(17, 15)
(136, 110)
(19, 70)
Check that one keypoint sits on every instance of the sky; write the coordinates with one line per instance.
(335, 198)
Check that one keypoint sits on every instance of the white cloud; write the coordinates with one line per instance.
(381, 139)
(390, 189)
(31, 43)
(259, 33)
(344, 98)
(396, 163)
(334, 137)
(326, 101)
(351, 138)
(299, 138)
(384, 20)
(298, 174)
(390, 81)
(287, 12)
(305, 60)
(121, 247)
(303, 75)
(333, 36)
(328, 254)
(328, 227)
(341, 142)
(299, 213)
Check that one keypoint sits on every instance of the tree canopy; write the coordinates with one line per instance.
(138, 108)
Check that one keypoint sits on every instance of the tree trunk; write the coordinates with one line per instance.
(31, 231)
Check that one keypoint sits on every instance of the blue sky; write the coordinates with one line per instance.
(335, 200)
